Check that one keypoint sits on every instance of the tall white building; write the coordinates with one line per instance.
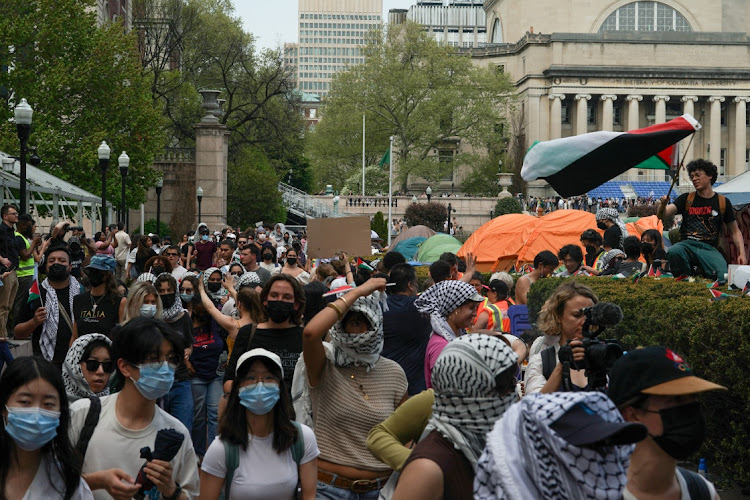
(458, 23)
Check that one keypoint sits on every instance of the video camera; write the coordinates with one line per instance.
(600, 355)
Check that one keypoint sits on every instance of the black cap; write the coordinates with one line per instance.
(582, 426)
(654, 371)
(26, 218)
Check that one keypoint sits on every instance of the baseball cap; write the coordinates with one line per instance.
(582, 426)
(102, 262)
(260, 353)
(655, 371)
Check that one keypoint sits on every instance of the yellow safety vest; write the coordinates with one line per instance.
(25, 267)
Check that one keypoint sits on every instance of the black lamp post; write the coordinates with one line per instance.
(103, 152)
(199, 193)
(428, 191)
(450, 209)
(159, 185)
(124, 161)
(23, 114)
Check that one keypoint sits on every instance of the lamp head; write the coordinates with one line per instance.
(199, 192)
(124, 161)
(103, 151)
(23, 113)
(160, 183)
(428, 191)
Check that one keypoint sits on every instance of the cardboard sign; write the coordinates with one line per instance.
(327, 236)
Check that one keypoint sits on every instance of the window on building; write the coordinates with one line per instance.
(497, 32)
(645, 16)
(564, 111)
(591, 113)
(723, 114)
(747, 115)
(617, 113)
(747, 160)
(722, 161)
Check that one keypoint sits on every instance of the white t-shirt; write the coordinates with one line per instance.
(178, 273)
(131, 256)
(112, 446)
(626, 495)
(123, 246)
(262, 473)
(48, 483)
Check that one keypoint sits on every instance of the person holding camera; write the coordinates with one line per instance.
(561, 320)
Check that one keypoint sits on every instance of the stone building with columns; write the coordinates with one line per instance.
(587, 65)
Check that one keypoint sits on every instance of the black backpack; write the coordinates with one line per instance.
(92, 418)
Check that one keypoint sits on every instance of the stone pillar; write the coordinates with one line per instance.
(608, 111)
(661, 108)
(688, 108)
(633, 111)
(555, 119)
(534, 122)
(740, 135)
(582, 117)
(715, 131)
(211, 148)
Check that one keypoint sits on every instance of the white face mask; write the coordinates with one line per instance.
(148, 310)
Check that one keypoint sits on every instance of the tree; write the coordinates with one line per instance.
(85, 85)
(432, 214)
(376, 181)
(425, 95)
(252, 195)
(379, 225)
(508, 205)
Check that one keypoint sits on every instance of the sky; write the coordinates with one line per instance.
(274, 22)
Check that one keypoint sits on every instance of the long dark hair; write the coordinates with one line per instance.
(19, 372)
(143, 247)
(233, 423)
(299, 294)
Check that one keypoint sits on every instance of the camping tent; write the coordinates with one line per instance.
(409, 248)
(430, 250)
(737, 190)
(500, 239)
(413, 232)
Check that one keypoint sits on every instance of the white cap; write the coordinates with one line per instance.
(260, 353)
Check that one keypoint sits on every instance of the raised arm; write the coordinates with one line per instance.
(225, 322)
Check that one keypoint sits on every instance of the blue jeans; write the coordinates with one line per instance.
(328, 492)
(179, 403)
(206, 395)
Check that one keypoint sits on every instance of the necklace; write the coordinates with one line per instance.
(361, 388)
(94, 304)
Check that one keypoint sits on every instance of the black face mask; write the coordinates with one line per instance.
(291, 260)
(157, 270)
(95, 276)
(601, 226)
(167, 300)
(646, 248)
(58, 272)
(683, 430)
(279, 311)
(267, 256)
(214, 287)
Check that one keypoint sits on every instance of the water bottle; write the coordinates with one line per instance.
(702, 469)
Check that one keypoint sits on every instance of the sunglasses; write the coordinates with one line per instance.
(172, 254)
(93, 365)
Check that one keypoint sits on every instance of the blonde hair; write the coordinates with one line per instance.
(136, 296)
(548, 321)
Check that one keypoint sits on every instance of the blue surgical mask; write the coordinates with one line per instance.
(148, 310)
(186, 297)
(155, 381)
(204, 237)
(259, 398)
(32, 428)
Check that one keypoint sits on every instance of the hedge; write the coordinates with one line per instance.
(714, 337)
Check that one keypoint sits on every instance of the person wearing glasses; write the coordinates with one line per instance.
(172, 253)
(145, 353)
(87, 367)
(9, 261)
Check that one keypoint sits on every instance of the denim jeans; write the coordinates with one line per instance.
(206, 395)
(328, 492)
(179, 403)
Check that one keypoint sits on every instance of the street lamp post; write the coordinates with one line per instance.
(159, 185)
(428, 191)
(103, 152)
(199, 193)
(23, 114)
(448, 226)
(414, 198)
(124, 161)
(336, 201)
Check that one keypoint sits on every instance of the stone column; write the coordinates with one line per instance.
(740, 135)
(633, 111)
(534, 125)
(714, 137)
(582, 118)
(608, 111)
(661, 108)
(555, 119)
(688, 108)
(211, 148)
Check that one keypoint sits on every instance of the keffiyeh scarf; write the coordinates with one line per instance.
(607, 257)
(207, 274)
(525, 458)
(441, 299)
(48, 338)
(146, 277)
(360, 349)
(75, 385)
(467, 403)
(249, 278)
(613, 215)
(173, 312)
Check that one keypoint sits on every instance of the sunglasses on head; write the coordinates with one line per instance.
(92, 365)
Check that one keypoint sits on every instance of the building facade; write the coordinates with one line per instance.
(331, 34)
(582, 66)
(457, 23)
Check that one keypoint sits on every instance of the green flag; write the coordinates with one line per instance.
(386, 159)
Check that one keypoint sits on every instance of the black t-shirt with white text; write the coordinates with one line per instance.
(703, 220)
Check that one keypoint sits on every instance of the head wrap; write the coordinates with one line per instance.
(360, 349)
(146, 277)
(441, 299)
(607, 257)
(249, 278)
(76, 386)
(525, 458)
(467, 402)
(613, 215)
(173, 312)
(207, 274)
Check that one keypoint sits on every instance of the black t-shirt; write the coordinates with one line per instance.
(406, 333)
(184, 327)
(628, 269)
(8, 248)
(63, 332)
(285, 342)
(141, 259)
(76, 260)
(95, 314)
(703, 221)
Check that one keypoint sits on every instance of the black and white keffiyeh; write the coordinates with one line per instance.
(525, 458)
(173, 312)
(75, 385)
(607, 257)
(48, 339)
(206, 275)
(467, 402)
(248, 278)
(441, 299)
(613, 215)
(360, 349)
(146, 277)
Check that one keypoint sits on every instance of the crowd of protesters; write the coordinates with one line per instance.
(232, 365)
(536, 205)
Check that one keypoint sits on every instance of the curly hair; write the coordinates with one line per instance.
(708, 168)
(548, 321)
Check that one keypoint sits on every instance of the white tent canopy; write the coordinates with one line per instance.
(737, 190)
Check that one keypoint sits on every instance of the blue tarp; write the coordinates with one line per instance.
(409, 248)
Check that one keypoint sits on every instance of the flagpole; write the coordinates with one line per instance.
(390, 191)
(363, 153)
(663, 204)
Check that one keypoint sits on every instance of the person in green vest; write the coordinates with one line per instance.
(27, 244)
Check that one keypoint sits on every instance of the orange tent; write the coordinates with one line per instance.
(499, 239)
(555, 230)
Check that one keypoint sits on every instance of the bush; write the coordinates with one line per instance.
(647, 210)
(379, 225)
(714, 337)
(432, 214)
(507, 205)
(151, 228)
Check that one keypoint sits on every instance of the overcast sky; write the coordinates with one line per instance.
(275, 22)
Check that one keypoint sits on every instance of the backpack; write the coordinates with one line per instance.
(232, 457)
(722, 203)
(548, 361)
(92, 418)
(696, 486)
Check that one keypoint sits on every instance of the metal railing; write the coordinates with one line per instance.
(304, 205)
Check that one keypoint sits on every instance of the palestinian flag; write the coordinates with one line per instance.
(34, 292)
(651, 272)
(717, 295)
(361, 264)
(339, 291)
(578, 164)
(637, 277)
(715, 284)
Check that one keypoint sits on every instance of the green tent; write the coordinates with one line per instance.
(430, 250)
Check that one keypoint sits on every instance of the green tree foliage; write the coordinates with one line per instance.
(85, 86)
(507, 205)
(253, 195)
(423, 94)
(376, 181)
(150, 225)
(379, 225)
(432, 215)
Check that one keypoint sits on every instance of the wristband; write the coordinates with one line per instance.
(337, 309)
(176, 494)
(344, 301)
